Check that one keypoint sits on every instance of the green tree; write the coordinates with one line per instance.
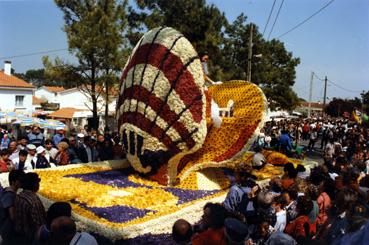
(274, 71)
(199, 22)
(365, 101)
(338, 106)
(95, 31)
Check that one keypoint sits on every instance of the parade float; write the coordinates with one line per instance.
(178, 156)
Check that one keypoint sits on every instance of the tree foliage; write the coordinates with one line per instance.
(95, 30)
(365, 101)
(226, 43)
(338, 106)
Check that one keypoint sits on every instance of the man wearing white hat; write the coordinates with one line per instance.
(42, 160)
(31, 158)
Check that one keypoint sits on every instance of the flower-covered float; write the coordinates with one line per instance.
(177, 158)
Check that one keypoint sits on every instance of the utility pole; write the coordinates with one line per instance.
(310, 92)
(325, 93)
(249, 55)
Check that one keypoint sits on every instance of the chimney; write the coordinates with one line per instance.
(8, 67)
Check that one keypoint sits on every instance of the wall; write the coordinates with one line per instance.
(7, 101)
(43, 93)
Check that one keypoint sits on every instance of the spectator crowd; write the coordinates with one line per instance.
(328, 204)
(33, 151)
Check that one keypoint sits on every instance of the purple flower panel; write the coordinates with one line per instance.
(116, 178)
(188, 195)
(116, 214)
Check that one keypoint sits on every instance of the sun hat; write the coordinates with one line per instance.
(31, 147)
(40, 149)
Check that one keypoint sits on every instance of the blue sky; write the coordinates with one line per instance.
(335, 43)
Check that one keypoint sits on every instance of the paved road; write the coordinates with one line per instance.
(316, 154)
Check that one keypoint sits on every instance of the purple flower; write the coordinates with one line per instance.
(185, 195)
(116, 214)
(116, 178)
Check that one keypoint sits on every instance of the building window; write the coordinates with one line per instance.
(19, 100)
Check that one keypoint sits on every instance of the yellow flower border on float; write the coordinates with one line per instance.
(222, 102)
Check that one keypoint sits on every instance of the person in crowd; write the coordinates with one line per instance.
(62, 157)
(7, 207)
(285, 143)
(64, 231)
(36, 137)
(72, 150)
(5, 141)
(262, 233)
(30, 213)
(6, 165)
(279, 204)
(42, 160)
(265, 210)
(338, 225)
(13, 148)
(313, 139)
(305, 131)
(182, 232)
(57, 209)
(289, 177)
(21, 162)
(104, 148)
(240, 197)
(87, 151)
(22, 143)
(301, 229)
(213, 222)
(290, 197)
(50, 150)
(58, 136)
(236, 232)
(258, 159)
(31, 157)
(118, 151)
(301, 172)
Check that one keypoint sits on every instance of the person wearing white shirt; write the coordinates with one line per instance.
(31, 158)
(21, 162)
(278, 204)
(50, 150)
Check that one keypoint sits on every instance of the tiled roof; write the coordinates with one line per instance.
(37, 101)
(54, 89)
(313, 104)
(67, 113)
(13, 82)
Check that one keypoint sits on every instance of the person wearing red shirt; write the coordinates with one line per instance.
(213, 221)
(301, 229)
(6, 164)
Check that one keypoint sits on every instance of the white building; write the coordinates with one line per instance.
(76, 107)
(15, 94)
(48, 93)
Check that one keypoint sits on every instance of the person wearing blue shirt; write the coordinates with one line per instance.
(285, 143)
(58, 136)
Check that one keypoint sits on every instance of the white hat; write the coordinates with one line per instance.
(80, 135)
(40, 149)
(59, 128)
(31, 147)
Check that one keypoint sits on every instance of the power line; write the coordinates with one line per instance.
(270, 14)
(347, 90)
(275, 20)
(35, 53)
(307, 19)
(336, 85)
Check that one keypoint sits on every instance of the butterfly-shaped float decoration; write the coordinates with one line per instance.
(163, 111)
